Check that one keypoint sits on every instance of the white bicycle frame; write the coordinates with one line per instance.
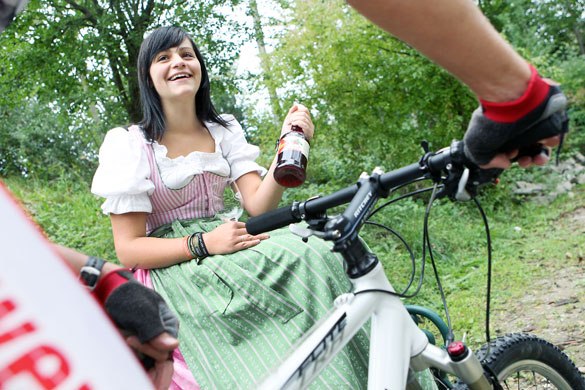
(396, 342)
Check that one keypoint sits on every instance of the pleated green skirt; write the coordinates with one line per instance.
(241, 313)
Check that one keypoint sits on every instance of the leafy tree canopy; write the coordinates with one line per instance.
(77, 58)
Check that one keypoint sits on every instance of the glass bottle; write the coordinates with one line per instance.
(292, 158)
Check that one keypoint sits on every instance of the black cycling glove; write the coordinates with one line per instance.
(485, 137)
(134, 308)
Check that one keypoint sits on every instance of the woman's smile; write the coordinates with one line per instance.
(180, 76)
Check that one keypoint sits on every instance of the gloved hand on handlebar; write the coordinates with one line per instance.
(501, 129)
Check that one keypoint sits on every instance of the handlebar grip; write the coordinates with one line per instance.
(550, 126)
(271, 220)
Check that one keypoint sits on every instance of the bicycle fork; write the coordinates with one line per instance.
(395, 335)
(458, 359)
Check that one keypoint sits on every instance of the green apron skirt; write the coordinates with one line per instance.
(242, 312)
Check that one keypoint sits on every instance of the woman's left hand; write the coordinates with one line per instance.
(231, 237)
(299, 115)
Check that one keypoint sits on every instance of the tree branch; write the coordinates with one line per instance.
(84, 11)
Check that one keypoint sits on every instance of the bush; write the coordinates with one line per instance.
(39, 142)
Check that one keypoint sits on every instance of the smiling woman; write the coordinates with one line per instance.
(243, 300)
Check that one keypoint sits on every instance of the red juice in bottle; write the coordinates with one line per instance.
(292, 158)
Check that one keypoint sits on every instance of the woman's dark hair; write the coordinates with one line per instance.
(153, 120)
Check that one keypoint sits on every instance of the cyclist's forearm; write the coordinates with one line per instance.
(76, 259)
(458, 37)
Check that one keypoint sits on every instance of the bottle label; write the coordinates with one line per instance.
(294, 143)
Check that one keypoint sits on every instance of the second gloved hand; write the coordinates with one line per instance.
(134, 308)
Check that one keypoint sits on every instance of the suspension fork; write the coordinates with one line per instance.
(458, 359)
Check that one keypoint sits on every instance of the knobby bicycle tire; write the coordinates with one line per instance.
(527, 361)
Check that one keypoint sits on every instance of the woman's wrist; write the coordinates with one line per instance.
(194, 245)
(186, 250)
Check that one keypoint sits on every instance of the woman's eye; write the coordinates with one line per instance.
(162, 57)
(190, 55)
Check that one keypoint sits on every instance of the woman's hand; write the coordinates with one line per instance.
(230, 237)
(299, 115)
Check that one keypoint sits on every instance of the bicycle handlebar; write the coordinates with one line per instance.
(431, 164)
(272, 220)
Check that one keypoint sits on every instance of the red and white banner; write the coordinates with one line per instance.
(52, 332)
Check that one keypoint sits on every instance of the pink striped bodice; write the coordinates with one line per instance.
(201, 197)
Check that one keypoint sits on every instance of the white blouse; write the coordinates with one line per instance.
(123, 173)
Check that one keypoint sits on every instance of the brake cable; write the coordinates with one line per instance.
(489, 272)
(408, 248)
(427, 244)
(413, 274)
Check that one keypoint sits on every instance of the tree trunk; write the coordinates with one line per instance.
(266, 64)
(580, 40)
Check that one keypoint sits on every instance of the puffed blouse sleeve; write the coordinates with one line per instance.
(240, 155)
(123, 174)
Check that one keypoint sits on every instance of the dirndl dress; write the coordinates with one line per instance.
(241, 313)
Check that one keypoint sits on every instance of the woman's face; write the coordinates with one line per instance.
(176, 72)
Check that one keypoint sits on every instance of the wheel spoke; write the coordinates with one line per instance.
(530, 379)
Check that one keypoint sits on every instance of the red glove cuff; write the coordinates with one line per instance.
(108, 283)
(509, 112)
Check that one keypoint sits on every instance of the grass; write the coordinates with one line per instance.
(68, 213)
(529, 240)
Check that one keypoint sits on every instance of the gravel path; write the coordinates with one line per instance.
(554, 307)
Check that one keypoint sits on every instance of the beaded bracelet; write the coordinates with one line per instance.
(202, 244)
(197, 248)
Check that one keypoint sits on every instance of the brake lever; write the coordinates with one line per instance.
(461, 184)
(462, 194)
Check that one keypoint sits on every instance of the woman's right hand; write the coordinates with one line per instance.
(298, 115)
(231, 237)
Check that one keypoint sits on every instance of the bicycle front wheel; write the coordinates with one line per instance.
(524, 361)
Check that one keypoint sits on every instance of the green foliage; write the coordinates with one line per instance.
(545, 27)
(572, 77)
(45, 144)
(373, 98)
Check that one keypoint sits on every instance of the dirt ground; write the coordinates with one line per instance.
(553, 307)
